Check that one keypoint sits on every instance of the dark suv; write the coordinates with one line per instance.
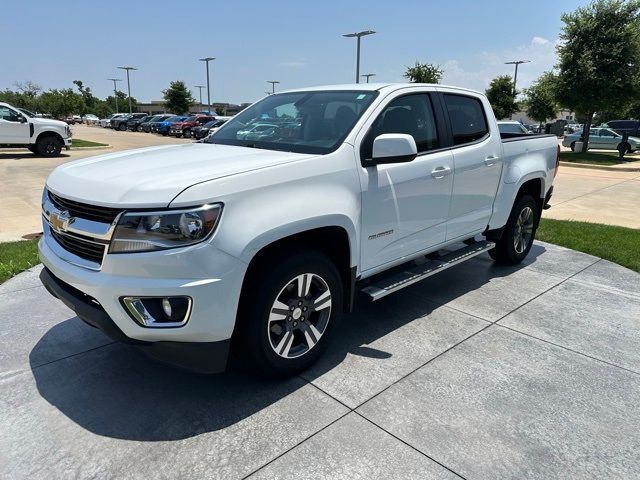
(632, 127)
(133, 123)
(120, 123)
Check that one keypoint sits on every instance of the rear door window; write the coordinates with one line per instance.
(468, 122)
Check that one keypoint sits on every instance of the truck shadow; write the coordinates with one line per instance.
(29, 155)
(116, 391)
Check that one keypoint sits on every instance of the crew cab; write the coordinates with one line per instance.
(42, 136)
(252, 249)
(183, 128)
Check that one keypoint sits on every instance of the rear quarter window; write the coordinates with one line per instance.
(468, 121)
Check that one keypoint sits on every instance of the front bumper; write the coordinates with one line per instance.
(204, 357)
(212, 278)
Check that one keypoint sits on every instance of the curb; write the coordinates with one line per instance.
(609, 168)
(105, 147)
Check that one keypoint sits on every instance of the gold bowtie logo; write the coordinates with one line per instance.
(59, 220)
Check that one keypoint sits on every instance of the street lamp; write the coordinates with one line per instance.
(200, 87)
(273, 85)
(515, 77)
(115, 90)
(367, 75)
(128, 84)
(358, 35)
(207, 60)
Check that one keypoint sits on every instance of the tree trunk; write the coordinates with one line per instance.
(587, 127)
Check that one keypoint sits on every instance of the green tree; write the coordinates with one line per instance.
(424, 73)
(540, 98)
(123, 103)
(599, 58)
(88, 97)
(177, 98)
(501, 97)
(61, 102)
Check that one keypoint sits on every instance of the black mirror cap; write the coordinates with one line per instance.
(370, 162)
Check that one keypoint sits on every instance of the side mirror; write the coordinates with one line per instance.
(393, 148)
(22, 119)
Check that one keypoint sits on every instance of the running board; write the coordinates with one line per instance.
(381, 287)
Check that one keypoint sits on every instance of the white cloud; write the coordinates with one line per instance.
(477, 72)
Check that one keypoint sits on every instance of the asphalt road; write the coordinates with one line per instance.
(480, 372)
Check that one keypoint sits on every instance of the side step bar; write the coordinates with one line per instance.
(399, 279)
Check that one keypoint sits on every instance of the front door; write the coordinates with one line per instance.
(12, 129)
(405, 205)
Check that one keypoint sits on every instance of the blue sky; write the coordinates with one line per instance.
(298, 43)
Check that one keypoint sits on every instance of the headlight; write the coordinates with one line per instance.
(150, 231)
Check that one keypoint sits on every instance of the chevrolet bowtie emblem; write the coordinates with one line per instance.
(59, 220)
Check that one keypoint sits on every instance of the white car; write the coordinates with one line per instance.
(90, 119)
(106, 122)
(259, 245)
(19, 128)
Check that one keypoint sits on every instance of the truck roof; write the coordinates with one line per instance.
(375, 87)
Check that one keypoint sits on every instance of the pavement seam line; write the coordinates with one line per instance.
(20, 290)
(568, 349)
(410, 446)
(594, 191)
(72, 355)
(296, 445)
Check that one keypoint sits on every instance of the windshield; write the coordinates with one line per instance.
(27, 112)
(175, 118)
(303, 122)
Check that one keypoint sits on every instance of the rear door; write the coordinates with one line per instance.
(477, 150)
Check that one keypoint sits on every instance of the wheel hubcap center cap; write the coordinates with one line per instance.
(297, 313)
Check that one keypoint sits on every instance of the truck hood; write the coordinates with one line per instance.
(153, 177)
(47, 122)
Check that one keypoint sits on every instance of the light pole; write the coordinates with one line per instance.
(200, 87)
(515, 76)
(207, 60)
(115, 90)
(128, 84)
(367, 75)
(358, 35)
(273, 85)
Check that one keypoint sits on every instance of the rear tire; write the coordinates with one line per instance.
(573, 146)
(288, 311)
(519, 232)
(123, 127)
(49, 146)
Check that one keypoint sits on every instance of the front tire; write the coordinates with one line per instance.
(573, 146)
(288, 311)
(49, 146)
(123, 127)
(519, 232)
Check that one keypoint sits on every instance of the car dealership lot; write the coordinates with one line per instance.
(482, 372)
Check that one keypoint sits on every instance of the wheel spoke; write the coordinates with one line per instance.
(304, 284)
(285, 344)
(311, 334)
(279, 311)
(323, 301)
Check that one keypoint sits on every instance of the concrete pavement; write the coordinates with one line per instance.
(480, 372)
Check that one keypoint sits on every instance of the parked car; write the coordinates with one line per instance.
(183, 129)
(508, 126)
(260, 245)
(257, 131)
(601, 139)
(155, 120)
(203, 130)
(164, 126)
(90, 119)
(120, 123)
(41, 136)
(134, 123)
(106, 122)
(632, 127)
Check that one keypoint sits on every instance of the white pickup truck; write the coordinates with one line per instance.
(20, 128)
(251, 248)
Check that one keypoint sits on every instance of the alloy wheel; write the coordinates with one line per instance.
(299, 315)
(523, 231)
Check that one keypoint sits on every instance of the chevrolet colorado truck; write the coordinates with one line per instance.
(41, 136)
(252, 249)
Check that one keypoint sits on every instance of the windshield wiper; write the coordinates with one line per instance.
(253, 145)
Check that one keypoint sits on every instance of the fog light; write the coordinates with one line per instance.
(158, 312)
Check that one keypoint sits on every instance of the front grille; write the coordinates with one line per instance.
(82, 210)
(83, 248)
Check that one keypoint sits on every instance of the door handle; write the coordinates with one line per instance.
(490, 160)
(440, 172)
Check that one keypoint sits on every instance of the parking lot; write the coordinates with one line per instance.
(480, 372)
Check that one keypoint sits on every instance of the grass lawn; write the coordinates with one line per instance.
(618, 244)
(77, 142)
(16, 257)
(593, 158)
